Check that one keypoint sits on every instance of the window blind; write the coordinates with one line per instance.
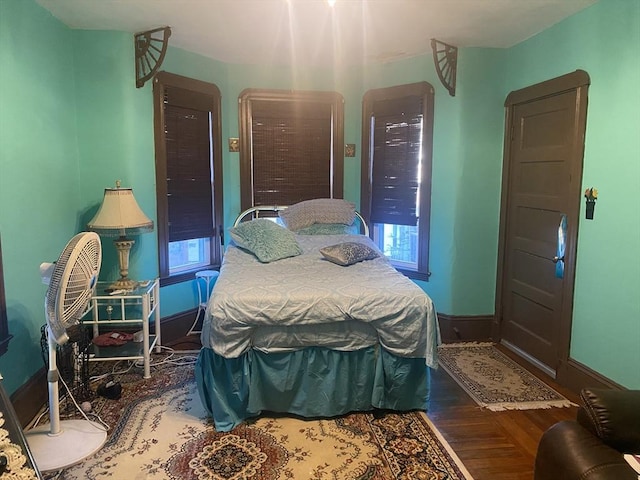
(291, 151)
(397, 134)
(189, 164)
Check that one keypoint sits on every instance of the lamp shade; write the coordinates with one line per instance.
(120, 214)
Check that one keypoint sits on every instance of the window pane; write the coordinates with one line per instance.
(399, 243)
(189, 254)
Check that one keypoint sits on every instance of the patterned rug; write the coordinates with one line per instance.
(160, 431)
(495, 381)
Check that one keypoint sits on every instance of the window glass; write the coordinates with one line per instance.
(399, 243)
(186, 255)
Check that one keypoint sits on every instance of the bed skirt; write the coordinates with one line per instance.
(313, 382)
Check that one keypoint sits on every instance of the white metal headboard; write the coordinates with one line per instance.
(254, 212)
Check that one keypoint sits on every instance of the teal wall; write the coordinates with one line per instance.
(603, 40)
(39, 170)
(72, 122)
(115, 138)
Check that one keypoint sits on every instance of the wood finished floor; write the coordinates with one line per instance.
(492, 445)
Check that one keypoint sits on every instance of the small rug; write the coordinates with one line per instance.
(495, 381)
(160, 431)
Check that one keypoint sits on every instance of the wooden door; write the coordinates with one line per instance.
(544, 143)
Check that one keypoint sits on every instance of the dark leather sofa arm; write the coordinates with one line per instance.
(613, 416)
(569, 451)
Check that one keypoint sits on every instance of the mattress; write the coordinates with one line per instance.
(306, 301)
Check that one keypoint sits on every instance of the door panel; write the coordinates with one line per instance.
(544, 166)
(533, 273)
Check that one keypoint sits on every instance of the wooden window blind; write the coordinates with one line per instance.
(291, 147)
(189, 162)
(188, 139)
(397, 132)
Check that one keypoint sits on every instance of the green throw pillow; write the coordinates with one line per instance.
(267, 240)
(348, 253)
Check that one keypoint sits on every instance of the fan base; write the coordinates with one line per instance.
(77, 440)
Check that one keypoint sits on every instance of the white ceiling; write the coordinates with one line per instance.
(310, 32)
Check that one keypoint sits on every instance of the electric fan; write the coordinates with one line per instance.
(63, 443)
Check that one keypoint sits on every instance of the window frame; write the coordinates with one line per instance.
(5, 336)
(247, 96)
(161, 81)
(426, 91)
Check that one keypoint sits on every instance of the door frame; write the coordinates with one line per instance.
(578, 81)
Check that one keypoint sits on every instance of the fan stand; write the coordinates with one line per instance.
(62, 443)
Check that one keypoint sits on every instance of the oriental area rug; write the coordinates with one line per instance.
(159, 430)
(495, 381)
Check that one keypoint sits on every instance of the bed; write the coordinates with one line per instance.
(326, 328)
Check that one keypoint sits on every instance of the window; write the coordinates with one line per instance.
(291, 146)
(396, 173)
(188, 175)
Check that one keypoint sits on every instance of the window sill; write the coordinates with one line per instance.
(185, 276)
(413, 275)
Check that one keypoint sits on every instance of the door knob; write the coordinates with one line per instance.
(558, 259)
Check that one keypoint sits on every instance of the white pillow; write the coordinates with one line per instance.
(320, 210)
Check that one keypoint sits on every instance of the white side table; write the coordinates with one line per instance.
(133, 307)
(204, 282)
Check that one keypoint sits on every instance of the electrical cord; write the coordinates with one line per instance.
(103, 424)
(173, 358)
(113, 372)
(82, 412)
(181, 360)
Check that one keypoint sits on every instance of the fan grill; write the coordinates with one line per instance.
(72, 283)
(81, 280)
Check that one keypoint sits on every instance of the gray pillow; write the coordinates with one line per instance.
(267, 240)
(320, 210)
(348, 253)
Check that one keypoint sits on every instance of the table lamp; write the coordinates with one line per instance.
(120, 216)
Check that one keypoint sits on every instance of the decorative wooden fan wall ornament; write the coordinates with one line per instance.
(150, 47)
(445, 57)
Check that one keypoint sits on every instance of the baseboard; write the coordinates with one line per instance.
(30, 397)
(577, 376)
(467, 328)
(176, 326)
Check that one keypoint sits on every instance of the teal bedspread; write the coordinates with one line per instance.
(312, 382)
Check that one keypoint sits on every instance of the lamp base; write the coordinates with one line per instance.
(123, 246)
(124, 283)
